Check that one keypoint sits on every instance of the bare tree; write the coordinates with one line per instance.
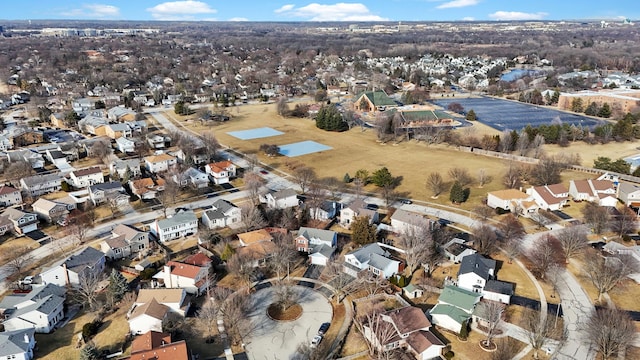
(101, 150)
(546, 172)
(252, 161)
(282, 107)
(242, 266)
(605, 272)
(372, 284)
(86, 292)
(334, 186)
(251, 217)
(285, 294)
(435, 184)
(483, 212)
(283, 256)
(507, 349)
(78, 227)
(210, 144)
(545, 253)
(512, 179)
(512, 233)
(596, 216)
(537, 329)
(253, 183)
(207, 318)
(506, 142)
(343, 284)
(522, 145)
(536, 146)
(611, 331)
(573, 240)
(624, 223)
(484, 239)
(417, 243)
(375, 330)
(461, 175)
(304, 176)
(491, 313)
(483, 178)
(18, 170)
(16, 258)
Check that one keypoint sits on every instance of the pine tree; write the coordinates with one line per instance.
(592, 109)
(117, 285)
(457, 194)
(227, 252)
(471, 115)
(89, 352)
(362, 232)
(605, 111)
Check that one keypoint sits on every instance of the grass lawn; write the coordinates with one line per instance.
(524, 286)
(24, 242)
(471, 348)
(182, 243)
(626, 294)
(588, 153)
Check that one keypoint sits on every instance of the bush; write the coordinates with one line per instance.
(449, 355)
(501, 211)
(147, 273)
(90, 329)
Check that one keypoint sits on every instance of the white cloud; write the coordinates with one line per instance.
(517, 15)
(468, 18)
(93, 11)
(180, 10)
(334, 12)
(457, 4)
(284, 8)
(238, 19)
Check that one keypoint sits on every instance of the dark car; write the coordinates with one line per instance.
(323, 328)
(264, 172)
(406, 201)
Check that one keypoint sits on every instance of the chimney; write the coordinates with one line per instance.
(27, 340)
(66, 273)
(167, 276)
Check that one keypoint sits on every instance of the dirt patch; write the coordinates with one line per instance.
(277, 312)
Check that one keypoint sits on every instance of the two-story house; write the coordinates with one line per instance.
(121, 114)
(39, 309)
(407, 222)
(70, 271)
(325, 211)
(37, 185)
(110, 191)
(147, 188)
(176, 299)
(222, 213)
(116, 131)
(90, 124)
(158, 346)
(357, 208)
(372, 258)
(23, 222)
(34, 159)
(17, 345)
(10, 196)
(52, 211)
(256, 245)
(221, 172)
(191, 177)
(550, 197)
(157, 141)
(477, 274)
(176, 275)
(83, 178)
(125, 168)
(602, 192)
(629, 194)
(125, 240)
(318, 243)
(125, 145)
(281, 199)
(182, 224)
(159, 163)
(150, 316)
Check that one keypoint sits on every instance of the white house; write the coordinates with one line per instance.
(125, 145)
(17, 345)
(373, 258)
(550, 197)
(87, 262)
(406, 222)
(602, 192)
(177, 275)
(111, 191)
(51, 210)
(120, 168)
(124, 241)
(357, 208)
(455, 250)
(39, 309)
(221, 172)
(159, 163)
(454, 308)
(41, 184)
(629, 194)
(179, 225)
(325, 211)
(318, 243)
(191, 177)
(412, 331)
(23, 222)
(281, 199)
(156, 141)
(10, 196)
(222, 214)
(150, 316)
(477, 274)
(512, 200)
(176, 299)
(83, 178)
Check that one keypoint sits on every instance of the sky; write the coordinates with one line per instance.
(318, 10)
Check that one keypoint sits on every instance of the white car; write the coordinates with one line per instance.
(27, 280)
(316, 341)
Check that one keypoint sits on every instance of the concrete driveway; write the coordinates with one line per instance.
(279, 339)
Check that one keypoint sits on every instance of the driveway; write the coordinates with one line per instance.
(279, 339)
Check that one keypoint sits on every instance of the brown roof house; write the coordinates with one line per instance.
(125, 240)
(147, 317)
(512, 200)
(194, 279)
(256, 245)
(602, 192)
(154, 345)
(550, 197)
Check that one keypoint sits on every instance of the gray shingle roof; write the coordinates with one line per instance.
(323, 235)
(499, 287)
(13, 300)
(178, 219)
(39, 179)
(379, 261)
(87, 257)
(284, 193)
(223, 205)
(12, 342)
(113, 185)
(364, 253)
(477, 264)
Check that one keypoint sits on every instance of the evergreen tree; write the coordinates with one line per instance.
(382, 177)
(592, 109)
(89, 352)
(605, 111)
(457, 195)
(227, 252)
(117, 285)
(346, 178)
(471, 115)
(576, 105)
(362, 232)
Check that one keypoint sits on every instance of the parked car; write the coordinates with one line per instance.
(323, 328)
(406, 201)
(264, 172)
(316, 341)
(27, 280)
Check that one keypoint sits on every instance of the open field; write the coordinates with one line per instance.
(589, 153)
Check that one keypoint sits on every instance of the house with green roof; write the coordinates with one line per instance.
(371, 101)
(454, 307)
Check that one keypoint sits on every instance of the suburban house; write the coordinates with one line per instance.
(177, 300)
(125, 145)
(177, 275)
(5, 224)
(83, 178)
(281, 199)
(90, 124)
(39, 309)
(115, 131)
(121, 114)
(159, 163)
(51, 210)
(550, 197)
(36, 160)
(257, 245)
(157, 345)
(5, 143)
(406, 222)
(602, 192)
(124, 241)
(120, 168)
(199, 156)
(356, 209)
(23, 222)
(454, 308)
(221, 172)
(182, 224)
(147, 188)
(370, 101)
(411, 331)
(477, 274)
(319, 244)
(253, 237)
(512, 200)
(10, 196)
(629, 194)
(456, 249)
(111, 191)
(157, 141)
(150, 316)
(191, 177)
(373, 258)
(37, 185)
(17, 344)
(70, 271)
(222, 214)
(328, 210)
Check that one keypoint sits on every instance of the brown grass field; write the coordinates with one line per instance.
(352, 150)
